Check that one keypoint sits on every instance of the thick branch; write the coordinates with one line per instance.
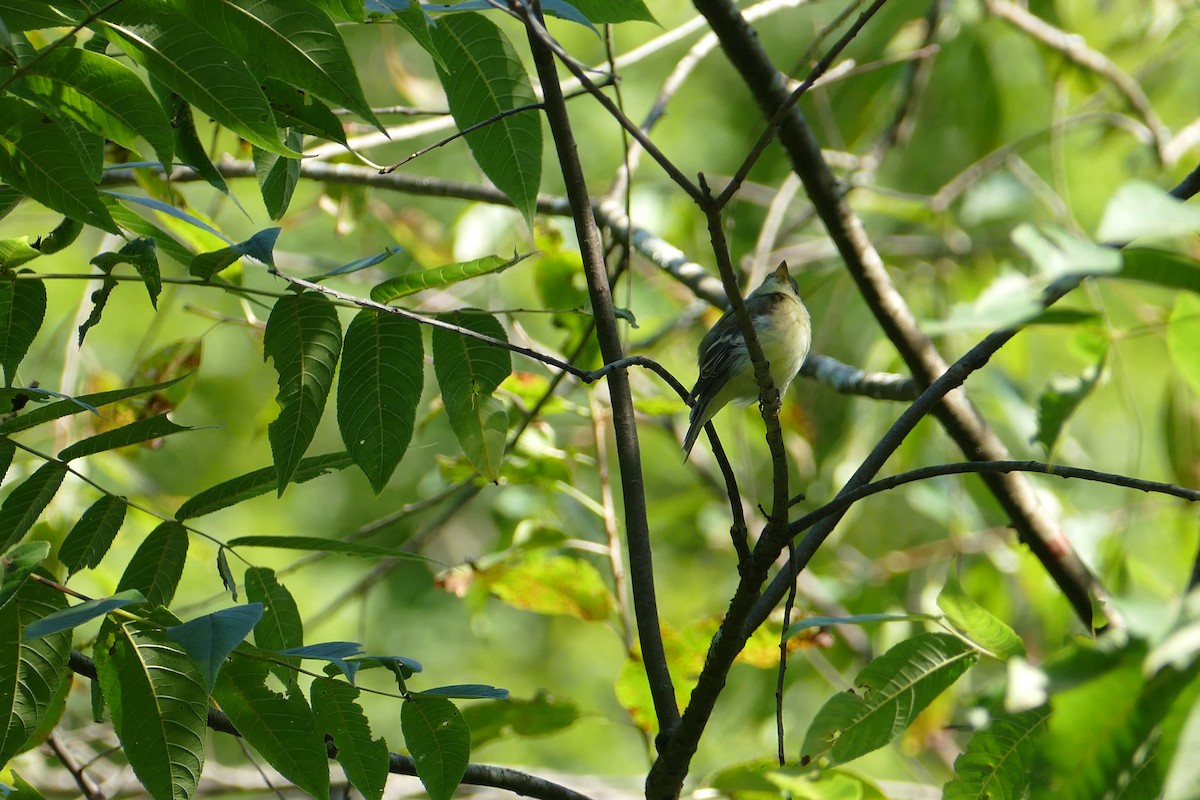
(956, 414)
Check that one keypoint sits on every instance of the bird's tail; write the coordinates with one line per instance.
(696, 422)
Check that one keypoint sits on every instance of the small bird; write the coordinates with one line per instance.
(784, 332)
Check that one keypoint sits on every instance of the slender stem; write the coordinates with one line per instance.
(633, 485)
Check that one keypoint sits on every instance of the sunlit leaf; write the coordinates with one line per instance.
(187, 57)
(977, 622)
(1183, 339)
(551, 585)
(1142, 209)
(41, 160)
(101, 94)
(413, 282)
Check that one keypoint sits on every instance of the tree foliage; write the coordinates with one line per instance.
(994, 229)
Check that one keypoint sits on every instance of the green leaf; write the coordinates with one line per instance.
(889, 693)
(280, 627)
(412, 17)
(131, 221)
(91, 536)
(303, 338)
(999, 759)
(102, 95)
(413, 282)
(1102, 729)
(1061, 398)
(379, 387)
(188, 147)
(336, 653)
(32, 15)
(551, 585)
(282, 729)
(211, 638)
(159, 707)
(63, 236)
(40, 159)
(318, 545)
(278, 176)
(439, 740)
(15, 252)
(260, 247)
(364, 759)
(361, 263)
(603, 12)
(1161, 268)
(157, 565)
(142, 255)
(194, 63)
(303, 112)
(977, 622)
(76, 615)
(22, 789)
(144, 430)
(541, 715)
(1183, 339)
(1057, 254)
(226, 574)
(17, 564)
(1140, 208)
(22, 310)
(292, 42)
(484, 77)
(258, 482)
(85, 402)
(26, 502)
(10, 198)
(1182, 776)
(468, 372)
(8, 449)
(30, 671)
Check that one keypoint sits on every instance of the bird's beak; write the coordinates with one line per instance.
(781, 272)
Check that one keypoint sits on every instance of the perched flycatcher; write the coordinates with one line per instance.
(784, 332)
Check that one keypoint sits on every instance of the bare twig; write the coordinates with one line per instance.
(86, 785)
(637, 527)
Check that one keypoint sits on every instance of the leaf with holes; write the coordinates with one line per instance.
(440, 742)
(365, 759)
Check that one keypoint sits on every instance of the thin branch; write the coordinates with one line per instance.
(461, 133)
(86, 785)
(1187, 188)
(633, 486)
(1075, 48)
(670, 259)
(768, 135)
